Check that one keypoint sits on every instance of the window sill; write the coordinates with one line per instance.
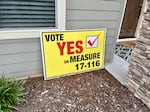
(23, 33)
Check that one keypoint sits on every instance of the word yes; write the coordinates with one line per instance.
(70, 46)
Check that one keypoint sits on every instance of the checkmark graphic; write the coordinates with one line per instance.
(91, 43)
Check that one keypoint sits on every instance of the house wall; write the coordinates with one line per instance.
(22, 57)
(94, 14)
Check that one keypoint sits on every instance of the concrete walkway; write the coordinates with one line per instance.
(118, 68)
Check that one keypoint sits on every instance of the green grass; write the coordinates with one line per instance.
(11, 93)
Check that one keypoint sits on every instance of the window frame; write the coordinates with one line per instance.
(18, 33)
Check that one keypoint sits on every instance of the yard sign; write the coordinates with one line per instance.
(70, 52)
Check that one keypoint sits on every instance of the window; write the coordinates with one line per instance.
(27, 13)
(20, 16)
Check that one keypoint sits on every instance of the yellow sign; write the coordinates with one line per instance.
(71, 52)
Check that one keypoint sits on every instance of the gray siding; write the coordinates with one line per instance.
(93, 14)
(22, 57)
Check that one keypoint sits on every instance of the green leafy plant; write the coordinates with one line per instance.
(11, 93)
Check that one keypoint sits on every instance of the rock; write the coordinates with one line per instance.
(69, 105)
(148, 65)
(147, 16)
(142, 69)
(133, 86)
(139, 61)
(148, 73)
(147, 48)
(147, 52)
(148, 56)
(146, 79)
(141, 46)
(46, 91)
(146, 100)
(129, 75)
(141, 57)
(137, 73)
(144, 40)
(146, 85)
(138, 78)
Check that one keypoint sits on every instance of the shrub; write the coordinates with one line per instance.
(11, 93)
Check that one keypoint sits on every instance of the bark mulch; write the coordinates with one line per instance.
(96, 91)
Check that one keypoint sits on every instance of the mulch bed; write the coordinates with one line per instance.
(96, 91)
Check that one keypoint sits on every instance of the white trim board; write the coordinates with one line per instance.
(126, 39)
(122, 16)
(139, 25)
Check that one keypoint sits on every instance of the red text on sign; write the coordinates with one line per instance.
(71, 46)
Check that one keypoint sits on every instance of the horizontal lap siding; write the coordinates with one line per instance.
(94, 5)
(21, 46)
(91, 24)
(78, 15)
(20, 57)
(94, 14)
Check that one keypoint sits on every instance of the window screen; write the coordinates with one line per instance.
(27, 13)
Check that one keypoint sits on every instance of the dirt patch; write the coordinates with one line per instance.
(95, 91)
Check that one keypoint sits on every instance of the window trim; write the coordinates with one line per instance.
(15, 33)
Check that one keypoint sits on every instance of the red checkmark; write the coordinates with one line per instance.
(92, 43)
